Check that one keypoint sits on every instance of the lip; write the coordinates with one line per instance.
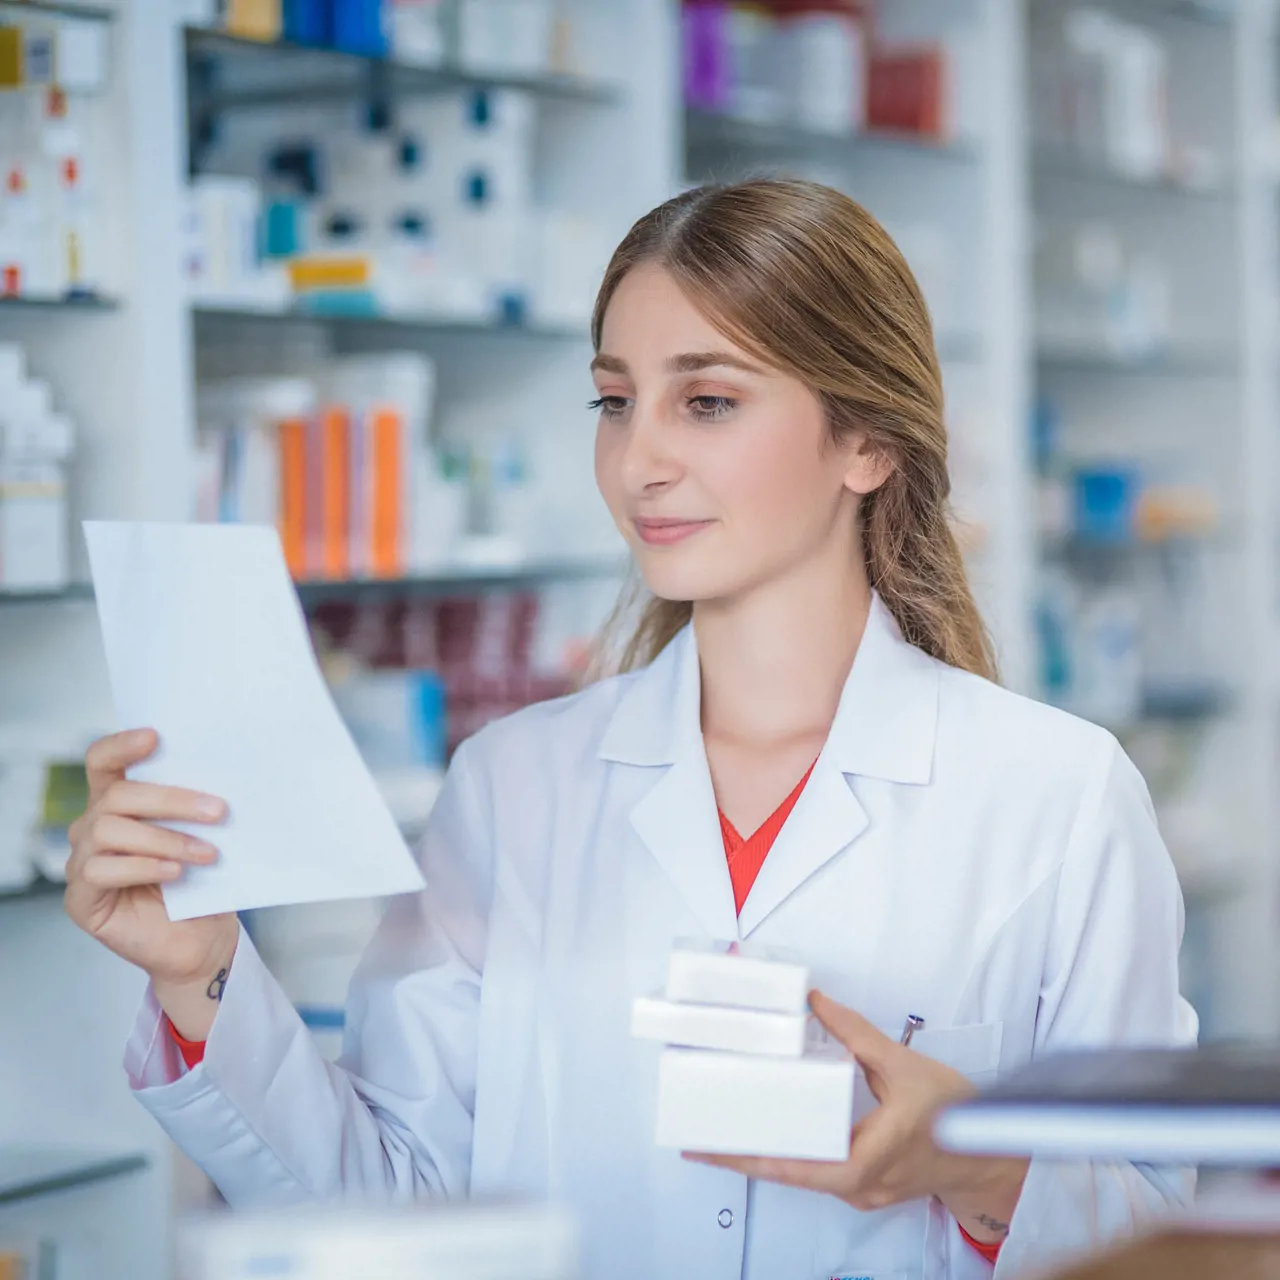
(666, 531)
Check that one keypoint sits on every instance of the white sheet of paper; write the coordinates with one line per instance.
(206, 643)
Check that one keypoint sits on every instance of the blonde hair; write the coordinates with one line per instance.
(802, 277)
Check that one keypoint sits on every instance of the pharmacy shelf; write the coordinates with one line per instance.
(293, 73)
(23, 302)
(26, 1172)
(707, 131)
(1061, 164)
(56, 595)
(38, 888)
(461, 579)
(1214, 13)
(87, 12)
(465, 580)
(208, 315)
(1173, 364)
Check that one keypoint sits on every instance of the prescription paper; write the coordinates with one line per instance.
(206, 643)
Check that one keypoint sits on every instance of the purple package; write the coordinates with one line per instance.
(706, 61)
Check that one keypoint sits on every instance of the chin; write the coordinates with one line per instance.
(684, 578)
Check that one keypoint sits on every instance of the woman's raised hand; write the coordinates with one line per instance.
(120, 858)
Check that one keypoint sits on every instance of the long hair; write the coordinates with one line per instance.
(808, 281)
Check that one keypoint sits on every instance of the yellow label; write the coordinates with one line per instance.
(254, 19)
(329, 273)
(11, 58)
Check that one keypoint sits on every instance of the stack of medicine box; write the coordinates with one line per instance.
(743, 1072)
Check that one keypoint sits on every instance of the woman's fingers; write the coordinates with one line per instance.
(106, 761)
(162, 804)
(113, 835)
(864, 1040)
(117, 872)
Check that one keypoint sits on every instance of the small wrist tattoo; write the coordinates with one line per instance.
(219, 985)
(992, 1224)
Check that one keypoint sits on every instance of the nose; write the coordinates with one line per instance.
(649, 459)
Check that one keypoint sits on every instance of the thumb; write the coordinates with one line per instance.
(866, 1042)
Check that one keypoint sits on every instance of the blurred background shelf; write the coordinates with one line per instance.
(466, 580)
(20, 303)
(1174, 364)
(234, 73)
(1061, 164)
(209, 315)
(53, 8)
(707, 130)
(38, 888)
(26, 1172)
(463, 579)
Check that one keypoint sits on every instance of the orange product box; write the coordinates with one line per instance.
(293, 494)
(387, 468)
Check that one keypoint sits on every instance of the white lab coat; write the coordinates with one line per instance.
(959, 852)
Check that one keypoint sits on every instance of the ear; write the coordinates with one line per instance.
(869, 467)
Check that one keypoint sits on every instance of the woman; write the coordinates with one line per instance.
(771, 445)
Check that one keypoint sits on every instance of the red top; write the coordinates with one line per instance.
(745, 857)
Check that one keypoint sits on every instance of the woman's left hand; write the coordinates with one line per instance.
(892, 1157)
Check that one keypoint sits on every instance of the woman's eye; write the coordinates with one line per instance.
(708, 408)
(609, 406)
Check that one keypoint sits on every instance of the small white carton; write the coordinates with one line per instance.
(742, 975)
(704, 1026)
(739, 1104)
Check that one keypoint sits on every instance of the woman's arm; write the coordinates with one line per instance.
(271, 1121)
(1110, 978)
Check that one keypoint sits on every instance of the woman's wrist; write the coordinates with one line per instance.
(982, 1194)
(191, 1002)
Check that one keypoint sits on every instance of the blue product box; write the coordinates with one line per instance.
(1105, 504)
(358, 27)
(308, 21)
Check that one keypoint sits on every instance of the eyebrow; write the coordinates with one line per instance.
(686, 362)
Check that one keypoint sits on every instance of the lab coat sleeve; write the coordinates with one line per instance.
(272, 1122)
(1110, 978)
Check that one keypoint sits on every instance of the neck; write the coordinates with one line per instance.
(775, 659)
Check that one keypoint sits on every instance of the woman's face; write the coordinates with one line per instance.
(720, 472)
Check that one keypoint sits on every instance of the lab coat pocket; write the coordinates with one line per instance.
(972, 1050)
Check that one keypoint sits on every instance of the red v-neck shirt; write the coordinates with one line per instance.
(745, 858)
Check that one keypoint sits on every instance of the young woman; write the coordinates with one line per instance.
(811, 674)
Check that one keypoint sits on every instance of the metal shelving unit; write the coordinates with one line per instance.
(293, 73)
(209, 315)
(26, 1172)
(706, 130)
(53, 8)
(1174, 364)
(20, 302)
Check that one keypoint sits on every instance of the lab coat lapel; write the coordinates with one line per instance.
(657, 726)
(884, 728)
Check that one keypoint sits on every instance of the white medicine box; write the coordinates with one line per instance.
(745, 1071)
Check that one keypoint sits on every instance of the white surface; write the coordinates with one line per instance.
(741, 975)
(1231, 1136)
(705, 1026)
(443, 1242)
(736, 1104)
(206, 643)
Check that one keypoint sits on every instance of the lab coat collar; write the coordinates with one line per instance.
(884, 727)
